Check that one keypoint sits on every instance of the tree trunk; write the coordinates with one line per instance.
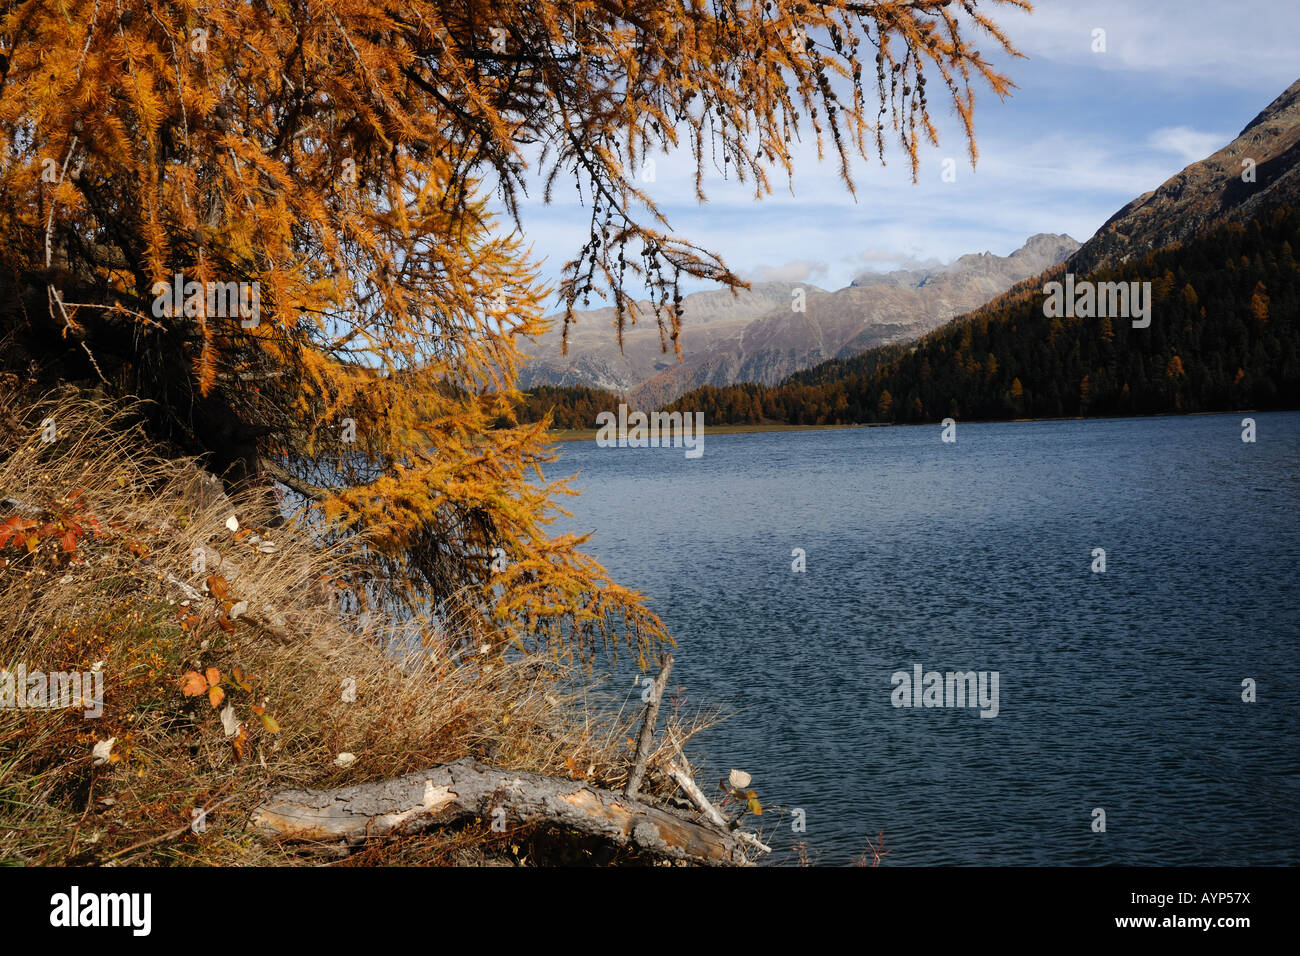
(466, 789)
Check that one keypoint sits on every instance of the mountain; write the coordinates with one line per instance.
(1208, 193)
(878, 309)
(759, 336)
(595, 360)
(1038, 253)
(1224, 335)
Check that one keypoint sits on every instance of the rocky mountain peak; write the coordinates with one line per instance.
(1256, 170)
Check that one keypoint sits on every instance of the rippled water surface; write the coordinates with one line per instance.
(1120, 690)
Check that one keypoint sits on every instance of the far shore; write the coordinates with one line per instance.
(589, 434)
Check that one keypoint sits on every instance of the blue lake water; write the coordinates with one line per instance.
(1119, 690)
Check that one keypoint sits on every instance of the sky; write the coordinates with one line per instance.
(1084, 133)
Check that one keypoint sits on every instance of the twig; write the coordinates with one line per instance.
(162, 837)
(54, 295)
(648, 727)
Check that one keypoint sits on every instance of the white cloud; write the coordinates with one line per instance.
(796, 270)
(1189, 144)
(1168, 38)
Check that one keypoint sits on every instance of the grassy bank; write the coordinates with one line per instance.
(228, 672)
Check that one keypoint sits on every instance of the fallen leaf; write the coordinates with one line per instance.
(193, 684)
(9, 529)
(232, 523)
(229, 723)
(217, 586)
(239, 742)
(101, 754)
(269, 723)
(215, 696)
(213, 675)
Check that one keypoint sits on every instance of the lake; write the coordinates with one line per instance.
(1118, 690)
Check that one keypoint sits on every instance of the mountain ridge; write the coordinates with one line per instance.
(760, 335)
(1209, 192)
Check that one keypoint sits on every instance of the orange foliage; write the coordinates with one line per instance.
(334, 157)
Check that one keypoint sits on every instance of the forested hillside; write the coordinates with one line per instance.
(1223, 335)
(572, 406)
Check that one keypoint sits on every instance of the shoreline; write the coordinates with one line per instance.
(589, 434)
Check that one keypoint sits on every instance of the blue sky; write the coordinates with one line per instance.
(1083, 134)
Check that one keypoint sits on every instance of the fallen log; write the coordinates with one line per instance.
(466, 789)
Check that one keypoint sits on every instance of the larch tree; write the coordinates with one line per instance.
(274, 221)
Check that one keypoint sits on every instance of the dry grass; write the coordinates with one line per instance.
(119, 596)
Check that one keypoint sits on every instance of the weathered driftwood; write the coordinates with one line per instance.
(688, 785)
(648, 727)
(467, 789)
(682, 776)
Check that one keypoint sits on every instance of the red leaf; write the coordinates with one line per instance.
(9, 529)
